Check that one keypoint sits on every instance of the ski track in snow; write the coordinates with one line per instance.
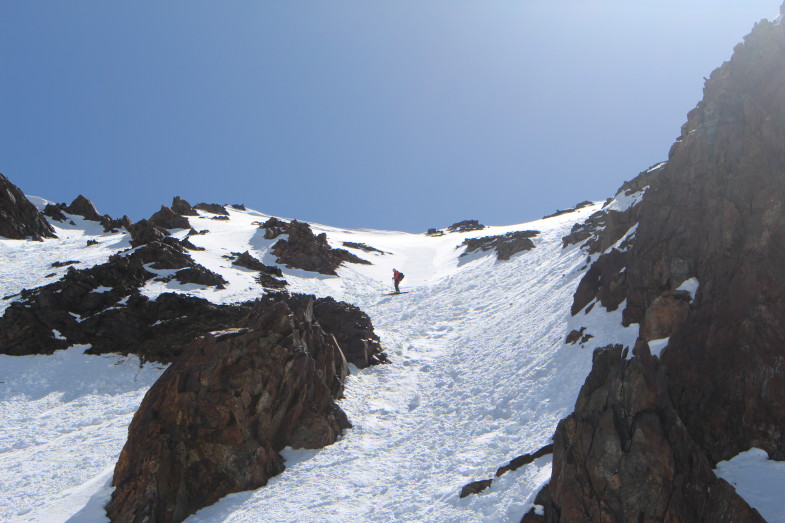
(480, 374)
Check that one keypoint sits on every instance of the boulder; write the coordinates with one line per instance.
(466, 226)
(19, 219)
(217, 419)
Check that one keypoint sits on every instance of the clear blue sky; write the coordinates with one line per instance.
(397, 115)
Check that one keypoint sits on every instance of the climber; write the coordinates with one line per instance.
(397, 277)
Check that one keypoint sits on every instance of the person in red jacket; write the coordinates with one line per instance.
(397, 277)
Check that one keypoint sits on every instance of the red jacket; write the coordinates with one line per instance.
(396, 275)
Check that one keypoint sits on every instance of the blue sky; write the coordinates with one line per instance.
(398, 115)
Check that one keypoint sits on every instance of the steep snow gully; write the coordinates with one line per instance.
(480, 374)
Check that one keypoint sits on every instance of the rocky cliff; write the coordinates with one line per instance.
(646, 433)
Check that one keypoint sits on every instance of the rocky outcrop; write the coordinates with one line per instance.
(466, 226)
(309, 252)
(216, 420)
(623, 455)
(351, 327)
(182, 207)
(714, 212)
(101, 306)
(19, 219)
(168, 219)
(85, 208)
(269, 277)
(505, 245)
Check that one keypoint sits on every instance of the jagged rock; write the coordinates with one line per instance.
(624, 455)
(505, 245)
(466, 226)
(83, 207)
(168, 219)
(274, 228)
(145, 231)
(212, 208)
(434, 232)
(306, 251)
(19, 219)
(214, 423)
(182, 207)
(238, 206)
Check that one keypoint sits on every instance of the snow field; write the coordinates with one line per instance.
(480, 374)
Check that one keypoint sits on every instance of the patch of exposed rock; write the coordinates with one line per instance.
(462, 226)
(567, 211)
(623, 454)
(212, 208)
(269, 277)
(217, 419)
(101, 306)
(19, 219)
(363, 247)
(307, 251)
(505, 245)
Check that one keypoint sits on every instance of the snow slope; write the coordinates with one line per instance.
(480, 375)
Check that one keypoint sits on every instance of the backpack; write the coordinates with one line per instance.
(400, 276)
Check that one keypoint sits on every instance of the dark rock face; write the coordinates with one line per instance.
(623, 455)
(215, 421)
(274, 228)
(168, 219)
(505, 245)
(306, 251)
(19, 219)
(716, 212)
